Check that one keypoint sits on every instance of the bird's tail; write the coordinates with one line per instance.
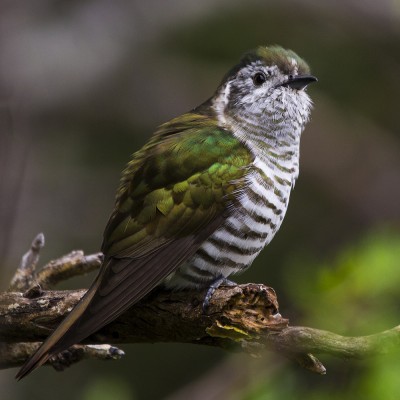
(60, 339)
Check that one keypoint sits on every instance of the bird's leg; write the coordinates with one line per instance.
(215, 284)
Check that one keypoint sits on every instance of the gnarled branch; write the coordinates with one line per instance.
(243, 317)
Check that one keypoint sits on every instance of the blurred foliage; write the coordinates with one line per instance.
(105, 389)
(356, 294)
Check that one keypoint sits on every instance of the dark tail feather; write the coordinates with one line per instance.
(61, 338)
(38, 359)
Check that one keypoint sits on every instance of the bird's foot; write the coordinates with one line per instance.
(215, 284)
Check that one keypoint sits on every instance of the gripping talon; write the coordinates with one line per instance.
(213, 287)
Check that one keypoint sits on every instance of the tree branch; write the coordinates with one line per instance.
(15, 354)
(243, 317)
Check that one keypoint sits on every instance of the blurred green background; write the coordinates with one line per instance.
(84, 84)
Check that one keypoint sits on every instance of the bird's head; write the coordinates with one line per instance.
(266, 88)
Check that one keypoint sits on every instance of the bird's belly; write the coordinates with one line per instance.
(233, 247)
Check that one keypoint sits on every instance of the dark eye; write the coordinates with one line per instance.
(259, 78)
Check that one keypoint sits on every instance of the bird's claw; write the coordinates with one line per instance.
(213, 287)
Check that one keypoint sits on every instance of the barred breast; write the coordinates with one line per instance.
(258, 213)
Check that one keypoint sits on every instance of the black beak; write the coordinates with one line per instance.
(298, 82)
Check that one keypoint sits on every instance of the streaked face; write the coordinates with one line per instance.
(254, 92)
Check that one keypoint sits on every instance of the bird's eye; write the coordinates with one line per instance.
(259, 78)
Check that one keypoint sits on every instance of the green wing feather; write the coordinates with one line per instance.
(184, 176)
(174, 193)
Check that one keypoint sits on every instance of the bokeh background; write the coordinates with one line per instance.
(84, 84)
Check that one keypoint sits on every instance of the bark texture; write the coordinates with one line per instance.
(243, 318)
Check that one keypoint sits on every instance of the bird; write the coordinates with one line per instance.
(200, 200)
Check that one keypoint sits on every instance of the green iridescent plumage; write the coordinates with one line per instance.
(180, 180)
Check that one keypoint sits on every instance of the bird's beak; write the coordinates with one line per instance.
(298, 82)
